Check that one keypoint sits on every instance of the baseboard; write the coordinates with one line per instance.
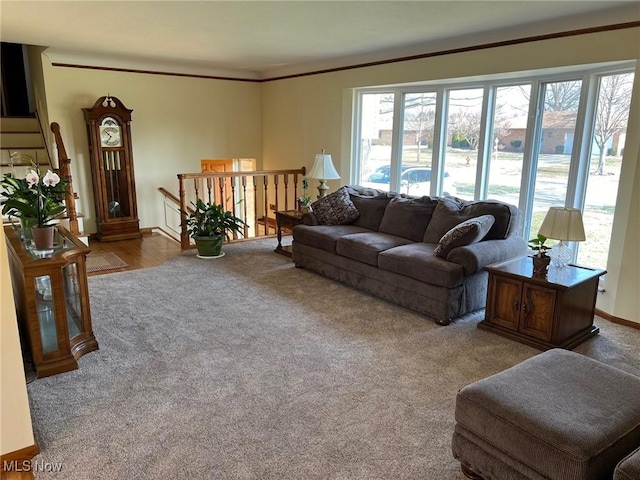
(18, 465)
(618, 320)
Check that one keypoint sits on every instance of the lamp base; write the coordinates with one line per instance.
(322, 189)
(561, 255)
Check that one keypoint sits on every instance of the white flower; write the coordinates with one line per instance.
(51, 179)
(32, 178)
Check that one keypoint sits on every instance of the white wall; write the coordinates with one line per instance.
(16, 432)
(176, 121)
(303, 115)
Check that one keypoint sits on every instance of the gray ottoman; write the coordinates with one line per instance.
(629, 467)
(559, 416)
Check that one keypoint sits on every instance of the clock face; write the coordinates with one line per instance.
(110, 136)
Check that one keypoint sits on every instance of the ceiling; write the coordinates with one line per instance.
(268, 39)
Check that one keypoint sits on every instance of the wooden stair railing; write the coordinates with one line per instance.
(45, 140)
(170, 227)
(249, 195)
(172, 197)
(64, 170)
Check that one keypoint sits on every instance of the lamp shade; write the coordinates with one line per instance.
(323, 168)
(562, 223)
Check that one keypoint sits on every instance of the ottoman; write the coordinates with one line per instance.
(629, 467)
(559, 416)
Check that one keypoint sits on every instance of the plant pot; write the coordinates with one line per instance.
(43, 237)
(540, 266)
(209, 247)
(304, 208)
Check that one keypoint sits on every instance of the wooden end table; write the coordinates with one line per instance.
(286, 219)
(545, 313)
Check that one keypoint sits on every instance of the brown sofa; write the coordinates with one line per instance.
(384, 243)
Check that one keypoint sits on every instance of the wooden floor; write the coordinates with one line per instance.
(149, 251)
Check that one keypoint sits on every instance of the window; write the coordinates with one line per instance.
(376, 127)
(552, 156)
(460, 157)
(612, 113)
(507, 142)
(417, 143)
(548, 138)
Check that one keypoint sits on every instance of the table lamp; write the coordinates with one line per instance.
(323, 170)
(564, 224)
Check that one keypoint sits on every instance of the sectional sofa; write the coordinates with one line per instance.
(424, 253)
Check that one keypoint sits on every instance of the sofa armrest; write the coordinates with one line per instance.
(476, 256)
(310, 219)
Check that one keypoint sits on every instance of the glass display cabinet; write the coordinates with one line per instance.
(52, 299)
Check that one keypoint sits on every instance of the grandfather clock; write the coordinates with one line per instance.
(111, 156)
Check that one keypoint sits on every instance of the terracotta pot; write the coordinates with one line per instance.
(43, 237)
(540, 266)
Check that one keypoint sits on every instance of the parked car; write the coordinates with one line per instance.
(413, 180)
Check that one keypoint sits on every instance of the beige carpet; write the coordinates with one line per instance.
(102, 262)
(248, 368)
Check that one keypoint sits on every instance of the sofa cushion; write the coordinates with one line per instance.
(468, 232)
(417, 261)
(335, 209)
(323, 237)
(365, 247)
(371, 204)
(408, 217)
(452, 211)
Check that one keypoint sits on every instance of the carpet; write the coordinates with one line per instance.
(101, 262)
(246, 367)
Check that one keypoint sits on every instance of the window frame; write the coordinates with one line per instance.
(580, 157)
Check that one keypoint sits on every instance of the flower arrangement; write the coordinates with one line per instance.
(304, 201)
(36, 199)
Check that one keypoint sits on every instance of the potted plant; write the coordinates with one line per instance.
(304, 201)
(36, 200)
(209, 225)
(540, 260)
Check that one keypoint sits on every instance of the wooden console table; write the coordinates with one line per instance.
(545, 313)
(52, 299)
(286, 219)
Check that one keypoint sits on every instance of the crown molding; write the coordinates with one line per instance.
(70, 59)
(74, 59)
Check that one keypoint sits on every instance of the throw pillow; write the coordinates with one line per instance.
(452, 211)
(335, 209)
(407, 217)
(466, 233)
